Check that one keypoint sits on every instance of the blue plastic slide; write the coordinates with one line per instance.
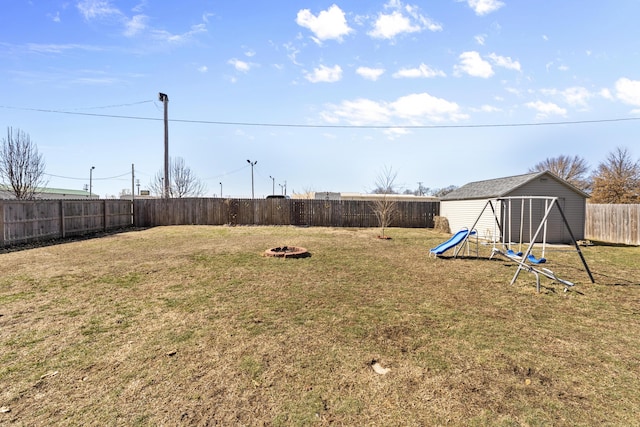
(455, 240)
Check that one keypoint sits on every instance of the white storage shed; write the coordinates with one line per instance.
(462, 207)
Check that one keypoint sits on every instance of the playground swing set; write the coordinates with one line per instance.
(504, 247)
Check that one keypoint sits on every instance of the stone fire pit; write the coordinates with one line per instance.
(287, 252)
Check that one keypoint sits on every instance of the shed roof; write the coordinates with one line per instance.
(501, 187)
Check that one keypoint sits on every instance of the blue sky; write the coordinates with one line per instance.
(324, 95)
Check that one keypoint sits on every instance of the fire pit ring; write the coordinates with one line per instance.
(287, 252)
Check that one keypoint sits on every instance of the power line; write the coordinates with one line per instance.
(84, 178)
(114, 106)
(311, 126)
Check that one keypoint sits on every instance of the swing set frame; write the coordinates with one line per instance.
(526, 260)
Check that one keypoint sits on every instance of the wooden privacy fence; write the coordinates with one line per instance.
(329, 213)
(24, 221)
(613, 223)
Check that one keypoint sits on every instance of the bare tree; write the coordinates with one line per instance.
(440, 192)
(21, 165)
(385, 207)
(183, 181)
(617, 180)
(574, 170)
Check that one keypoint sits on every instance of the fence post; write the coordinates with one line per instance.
(104, 210)
(62, 227)
(2, 224)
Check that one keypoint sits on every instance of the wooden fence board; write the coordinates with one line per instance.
(613, 223)
(327, 213)
(24, 221)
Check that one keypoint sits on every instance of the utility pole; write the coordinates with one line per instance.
(252, 165)
(91, 181)
(133, 197)
(165, 100)
(273, 185)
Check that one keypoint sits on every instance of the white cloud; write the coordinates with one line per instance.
(203, 69)
(135, 25)
(414, 109)
(240, 65)
(206, 16)
(484, 7)
(179, 38)
(606, 94)
(292, 52)
(504, 61)
(472, 64)
(419, 106)
(546, 109)
(576, 96)
(480, 39)
(324, 74)
(140, 6)
(487, 109)
(330, 24)
(370, 73)
(60, 48)
(91, 9)
(403, 19)
(359, 112)
(389, 26)
(422, 71)
(628, 91)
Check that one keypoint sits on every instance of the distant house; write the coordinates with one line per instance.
(49, 194)
(330, 195)
(462, 207)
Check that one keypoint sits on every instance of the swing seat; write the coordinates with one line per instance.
(534, 260)
(512, 254)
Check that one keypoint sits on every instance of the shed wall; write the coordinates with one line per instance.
(573, 205)
(463, 213)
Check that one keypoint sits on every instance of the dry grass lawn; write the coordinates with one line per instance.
(192, 326)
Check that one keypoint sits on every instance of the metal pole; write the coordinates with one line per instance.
(221, 190)
(252, 165)
(91, 180)
(273, 185)
(165, 100)
(133, 186)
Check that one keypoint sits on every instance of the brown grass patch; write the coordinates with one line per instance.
(192, 325)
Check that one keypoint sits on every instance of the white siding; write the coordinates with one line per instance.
(463, 213)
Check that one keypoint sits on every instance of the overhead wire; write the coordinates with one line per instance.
(327, 126)
(84, 178)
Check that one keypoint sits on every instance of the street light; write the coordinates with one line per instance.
(273, 185)
(221, 190)
(91, 180)
(252, 165)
